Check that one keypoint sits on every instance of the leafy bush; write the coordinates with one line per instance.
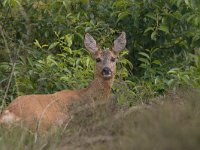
(42, 47)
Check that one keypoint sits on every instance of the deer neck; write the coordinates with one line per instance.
(99, 88)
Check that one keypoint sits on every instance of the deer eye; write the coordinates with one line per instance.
(98, 60)
(113, 59)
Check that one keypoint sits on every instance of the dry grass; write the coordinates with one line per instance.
(170, 122)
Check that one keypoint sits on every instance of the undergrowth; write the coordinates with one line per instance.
(168, 122)
(42, 50)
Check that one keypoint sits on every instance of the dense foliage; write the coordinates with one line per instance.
(42, 47)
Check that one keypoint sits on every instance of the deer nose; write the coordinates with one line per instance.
(106, 71)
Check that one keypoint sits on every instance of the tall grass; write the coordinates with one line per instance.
(169, 122)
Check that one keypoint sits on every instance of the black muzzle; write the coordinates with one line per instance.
(106, 72)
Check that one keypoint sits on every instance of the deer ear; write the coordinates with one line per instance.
(90, 43)
(120, 43)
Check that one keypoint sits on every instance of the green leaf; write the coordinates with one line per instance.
(67, 49)
(164, 28)
(36, 43)
(179, 2)
(153, 35)
(143, 66)
(13, 3)
(173, 71)
(87, 29)
(186, 79)
(146, 61)
(144, 54)
(68, 38)
(171, 82)
(122, 15)
(151, 15)
(53, 45)
(187, 2)
(87, 62)
(51, 61)
(66, 4)
(157, 62)
(149, 29)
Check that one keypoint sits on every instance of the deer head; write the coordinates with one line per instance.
(105, 59)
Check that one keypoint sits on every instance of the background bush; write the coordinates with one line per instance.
(42, 47)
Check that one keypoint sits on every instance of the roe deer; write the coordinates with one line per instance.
(53, 109)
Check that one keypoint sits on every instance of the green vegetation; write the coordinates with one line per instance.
(42, 47)
(42, 51)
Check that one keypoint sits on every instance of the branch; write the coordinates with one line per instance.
(12, 71)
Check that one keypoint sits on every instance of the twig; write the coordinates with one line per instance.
(43, 113)
(66, 124)
(12, 71)
(27, 23)
(8, 86)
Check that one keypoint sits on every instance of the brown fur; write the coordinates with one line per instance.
(41, 111)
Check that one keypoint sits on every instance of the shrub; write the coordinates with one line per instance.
(42, 42)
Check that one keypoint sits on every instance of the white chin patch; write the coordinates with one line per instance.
(106, 75)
